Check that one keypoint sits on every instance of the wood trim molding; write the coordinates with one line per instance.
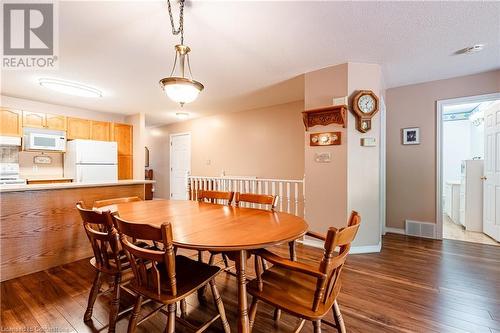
(335, 114)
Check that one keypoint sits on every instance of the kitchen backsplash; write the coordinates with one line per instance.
(28, 169)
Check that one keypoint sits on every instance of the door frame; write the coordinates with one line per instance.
(170, 159)
(440, 105)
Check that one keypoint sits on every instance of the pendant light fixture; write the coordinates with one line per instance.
(180, 86)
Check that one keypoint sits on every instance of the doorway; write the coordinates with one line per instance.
(463, 151)
(180, 165)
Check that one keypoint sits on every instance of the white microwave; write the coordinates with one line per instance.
(34, 140)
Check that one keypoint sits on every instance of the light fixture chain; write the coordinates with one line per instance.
(181, 20)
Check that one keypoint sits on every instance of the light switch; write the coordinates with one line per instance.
(368, 142)
(323, 157)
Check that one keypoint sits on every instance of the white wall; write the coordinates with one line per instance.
(34, 106)
(456, 147)
(157, 141)
(477, 141)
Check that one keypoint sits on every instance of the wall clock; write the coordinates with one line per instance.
(365, 106)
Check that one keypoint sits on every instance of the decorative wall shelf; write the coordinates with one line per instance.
(325, 116)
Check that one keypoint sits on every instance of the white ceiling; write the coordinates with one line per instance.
(250, 54)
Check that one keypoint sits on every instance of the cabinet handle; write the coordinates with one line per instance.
(484, 178)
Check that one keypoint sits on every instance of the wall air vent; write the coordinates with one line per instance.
(420, 229)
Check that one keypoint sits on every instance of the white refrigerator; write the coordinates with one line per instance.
(89, 161)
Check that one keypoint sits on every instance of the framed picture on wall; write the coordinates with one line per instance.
(411, 136)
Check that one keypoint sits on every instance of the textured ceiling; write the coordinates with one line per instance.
(250, 54)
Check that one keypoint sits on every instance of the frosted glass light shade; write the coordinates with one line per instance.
(181, 90)
(69, 87)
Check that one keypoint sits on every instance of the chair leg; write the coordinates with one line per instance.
(96, 285)
(171, 318)
(220, 306)
(277, 314)
(201, 292)
(183, 308)
(115, 304)
(226, 261)
(253, 311)
(317, 326)
(132, 323)
(299, 326)
(212, 259)
(337, 316)
(265, 266)
(291, 248)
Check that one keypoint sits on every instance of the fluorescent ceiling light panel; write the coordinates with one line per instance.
(70, 88)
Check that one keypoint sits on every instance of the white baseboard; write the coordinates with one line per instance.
(354, 250)
(400, 231)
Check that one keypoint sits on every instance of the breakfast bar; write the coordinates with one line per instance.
(40, 227)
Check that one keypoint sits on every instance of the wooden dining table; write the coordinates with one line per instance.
(212, 227)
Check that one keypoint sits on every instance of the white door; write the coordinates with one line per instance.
(180, 164)
(491, 213)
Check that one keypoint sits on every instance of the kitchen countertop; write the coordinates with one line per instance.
(47, 178)
(58, 186)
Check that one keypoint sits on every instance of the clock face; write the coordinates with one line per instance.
(366, 103)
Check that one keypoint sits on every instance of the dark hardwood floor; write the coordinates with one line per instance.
(413, 285)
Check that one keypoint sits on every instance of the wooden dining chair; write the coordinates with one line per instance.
(115, 201)
(303, 290)
(270, 201)
(164, 277)
(108, 259)
(219, 197)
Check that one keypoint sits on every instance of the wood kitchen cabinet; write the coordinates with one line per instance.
(55, 122)
(11, 122)
(78, 128)
(100, 130)
(44, 120)
(125, 168)
(122, 134)
(33, 119)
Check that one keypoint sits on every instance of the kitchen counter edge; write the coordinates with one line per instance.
(59, 186)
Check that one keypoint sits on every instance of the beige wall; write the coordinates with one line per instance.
(351, 180)
(30, 170)
(266, 142)
(138, 121)
(411, 169)
(326, 183)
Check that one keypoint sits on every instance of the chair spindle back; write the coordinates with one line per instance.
(102, 236)
(115, 201)
(262, 199)
(215, 196)
(147, 263)
(332, 264)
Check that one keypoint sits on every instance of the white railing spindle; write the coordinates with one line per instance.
(290, 192)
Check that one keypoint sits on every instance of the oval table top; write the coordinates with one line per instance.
(207, 226)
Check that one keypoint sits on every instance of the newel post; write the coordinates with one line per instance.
(188, 185)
